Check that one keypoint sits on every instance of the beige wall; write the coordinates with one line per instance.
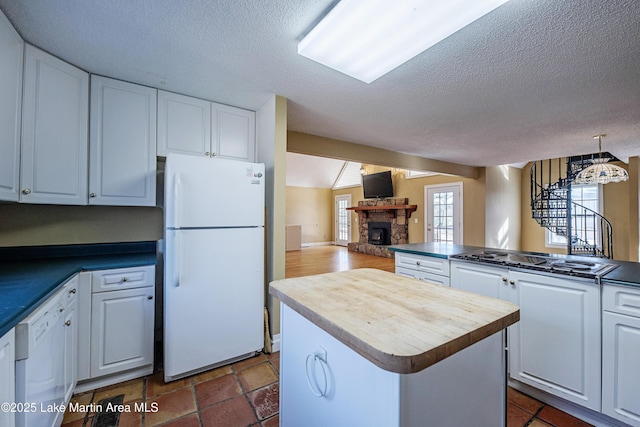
(34, 225)
(413, 189)
(620, 201)
(312, 208)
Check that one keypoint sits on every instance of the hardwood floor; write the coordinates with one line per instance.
(327, 259)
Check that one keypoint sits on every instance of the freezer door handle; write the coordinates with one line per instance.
(177, 182)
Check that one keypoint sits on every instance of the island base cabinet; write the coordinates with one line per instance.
(323, 382)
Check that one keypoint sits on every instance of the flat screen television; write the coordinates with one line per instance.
(377, 185)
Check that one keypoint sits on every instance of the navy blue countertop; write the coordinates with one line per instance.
(627, 273)
(28, 276)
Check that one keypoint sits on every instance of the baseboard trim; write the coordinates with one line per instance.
(275, 343)
(307, 245)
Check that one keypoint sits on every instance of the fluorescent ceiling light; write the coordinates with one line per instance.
(366, 39)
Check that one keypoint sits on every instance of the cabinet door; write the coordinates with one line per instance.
(11, 46)
(54, 131)
(184, 125)
(123, 143)
(70, 348)
(233, 132)
(121, 330)
(620, 373)
(7, 373)
(556, 347)
(427, 264)
(480, 279)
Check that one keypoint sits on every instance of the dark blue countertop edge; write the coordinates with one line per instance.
(28, 280)
(626, 274)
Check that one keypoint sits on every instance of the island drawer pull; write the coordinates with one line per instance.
(318, 356)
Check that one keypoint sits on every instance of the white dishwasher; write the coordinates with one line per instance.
(40, 384)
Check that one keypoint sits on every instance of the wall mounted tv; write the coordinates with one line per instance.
(377, 185)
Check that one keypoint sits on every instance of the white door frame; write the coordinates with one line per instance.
(457, 236)
(337, 239)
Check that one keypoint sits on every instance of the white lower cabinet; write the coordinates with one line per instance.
(325, 383)
(556, 345)
(421, 267)
(117, 325)
(7, 373)
(620, 350)
(71, 337)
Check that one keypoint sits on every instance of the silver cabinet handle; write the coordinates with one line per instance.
(504, 279)
(214, 154)
(149, 297)
(26, 191)
(124, 279)
(92, 194)
(208, 154)
(512, 282)
(67, 323)
(73, 291)
(319, 356)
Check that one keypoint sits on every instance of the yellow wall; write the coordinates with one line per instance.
(312, 208)
(413, 189)
(35, 225)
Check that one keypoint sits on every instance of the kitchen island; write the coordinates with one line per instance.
(367, 347)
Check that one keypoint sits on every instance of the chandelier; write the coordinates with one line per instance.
(600, 171)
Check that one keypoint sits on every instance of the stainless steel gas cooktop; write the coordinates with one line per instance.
(589, 269)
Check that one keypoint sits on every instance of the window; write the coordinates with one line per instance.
(350, 176)
(589, 197)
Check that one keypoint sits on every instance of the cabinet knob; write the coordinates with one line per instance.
(213, 154)
(417, 262)
(26, 191)
(124, 279)
(73, 291)
(504, 279)
(92, 194)
(67, 323)
(208, 154)
(149, 297)
(512, 282)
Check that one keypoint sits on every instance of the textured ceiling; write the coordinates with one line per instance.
(530, 80)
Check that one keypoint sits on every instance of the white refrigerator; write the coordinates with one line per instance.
(214, 263)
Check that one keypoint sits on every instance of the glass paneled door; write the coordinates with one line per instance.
(443, 213)
(343, 220)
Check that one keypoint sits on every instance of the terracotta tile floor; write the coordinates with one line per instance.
(245, 393)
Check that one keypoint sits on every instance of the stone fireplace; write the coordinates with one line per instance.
(382, 223)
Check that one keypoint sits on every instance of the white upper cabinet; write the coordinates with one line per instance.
(233, 133)
(54, 131)
(11, 46)
(184, 124)
(122, 168)
(194, 126)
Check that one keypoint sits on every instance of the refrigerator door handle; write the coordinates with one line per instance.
(177, 258)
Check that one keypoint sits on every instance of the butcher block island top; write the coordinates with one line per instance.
(401, 325)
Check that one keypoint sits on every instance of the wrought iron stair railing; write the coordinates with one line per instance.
(587, 232)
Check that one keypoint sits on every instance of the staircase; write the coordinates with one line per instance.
(588, 233)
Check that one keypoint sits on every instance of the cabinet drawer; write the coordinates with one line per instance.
(621, 299)
(122, 278)
(427, 264)
(420, 275)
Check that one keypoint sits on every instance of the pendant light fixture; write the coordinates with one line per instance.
(600, 171)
